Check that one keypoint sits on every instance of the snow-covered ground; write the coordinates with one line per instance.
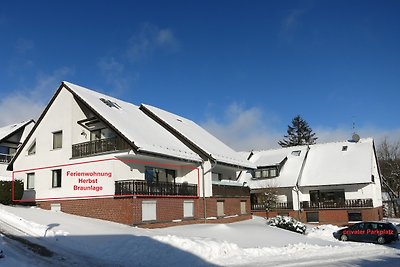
(79, 241)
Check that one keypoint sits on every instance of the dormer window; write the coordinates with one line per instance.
(266, 172)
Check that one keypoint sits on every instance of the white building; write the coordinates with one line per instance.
(326, 183)
(11, 137)
(98, 156)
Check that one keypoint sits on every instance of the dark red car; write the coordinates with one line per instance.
(375, 232)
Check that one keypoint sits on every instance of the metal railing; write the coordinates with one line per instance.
(5, 158)
(230, 191)
(99, 146)
(274, 206)
(140, 187)
(348, 203)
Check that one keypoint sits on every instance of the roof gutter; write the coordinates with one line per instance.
(203, 185)
(296, 187)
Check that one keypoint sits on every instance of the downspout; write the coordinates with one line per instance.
(204, 188)
(296, 188)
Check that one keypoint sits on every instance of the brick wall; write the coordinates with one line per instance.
(110, 209)
(129, 210)
(327, 216)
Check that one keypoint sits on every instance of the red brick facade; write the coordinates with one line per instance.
(169, 211)
(328, 216)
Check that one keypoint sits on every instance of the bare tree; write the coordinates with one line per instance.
(389, 163)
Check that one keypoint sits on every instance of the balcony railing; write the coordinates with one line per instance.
(140, 187)
(99, 146)
(274, 206)
(348, 203)
(230, 191)
(5, 158)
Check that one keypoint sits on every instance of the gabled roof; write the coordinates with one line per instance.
(339, 163)
(198, 138)
(7, 131)
(144, 133)
(289, 172)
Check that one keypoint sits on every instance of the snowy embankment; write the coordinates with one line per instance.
(245, 243)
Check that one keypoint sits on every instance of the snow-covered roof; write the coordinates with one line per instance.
(289, 171)
(6, 131)
(326, 164)
(200, 138)
(339, 163)
(146, 134)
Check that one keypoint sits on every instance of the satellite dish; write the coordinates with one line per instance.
(355, 137)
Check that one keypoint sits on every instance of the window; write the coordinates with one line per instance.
(220, 208)
(110, 103)
(30, 180)
(156, 175)
(312, 217)
(56, 178)
(372, 178)
(32, 148)
(188, 207)
(336, 196)
(100, 134)
(243, 207)
(344, 148)
(149, 210)
(57, 140)
(354, 216)
(12, 151)
(296, 153)
(269, 172)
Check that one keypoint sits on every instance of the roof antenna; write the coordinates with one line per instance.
(355, 137)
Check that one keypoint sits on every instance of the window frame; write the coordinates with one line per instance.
(58, 182)
(55, 134)
(30, 181)
(32, 147)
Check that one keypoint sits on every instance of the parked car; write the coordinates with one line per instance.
(376, 232)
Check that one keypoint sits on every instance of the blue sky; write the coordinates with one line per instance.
(242, 69)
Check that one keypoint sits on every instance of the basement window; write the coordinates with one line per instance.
(354, 216)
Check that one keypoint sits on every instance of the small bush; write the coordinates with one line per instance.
(288, 223)
(5, 191)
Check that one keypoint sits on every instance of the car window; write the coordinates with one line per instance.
(375, 226)
(358, 226)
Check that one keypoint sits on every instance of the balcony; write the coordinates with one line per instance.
(274, 206)
(140, 187)
(348, 203)
(230, 191)
(99, 146)
(5, 158)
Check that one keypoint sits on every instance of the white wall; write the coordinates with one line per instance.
(63, 115)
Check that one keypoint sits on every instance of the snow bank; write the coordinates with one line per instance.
(29, 227)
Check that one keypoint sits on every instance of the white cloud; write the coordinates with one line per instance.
(28, 103)
(115, 75)
(149, 39)
(244, 129)
(24, 45)
(290, 24)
